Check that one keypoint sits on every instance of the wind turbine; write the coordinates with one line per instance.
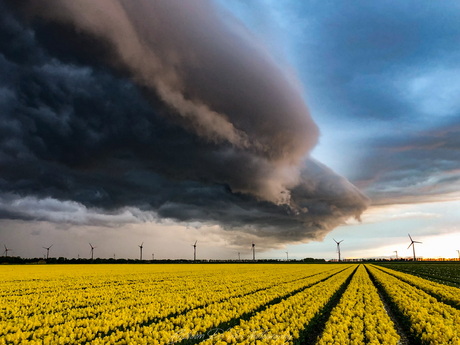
(412, 242)
(6, 250)
(396, 254)
(140, 247)
(338, 247)
(239, 256)
(47, 251)
(92, 250)
(287, 256)
(254, 251)
(194, 250)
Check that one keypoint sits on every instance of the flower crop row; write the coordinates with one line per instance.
(79, 304)
(441, 272)
(282, 323)
(199, 322)
(107, 294)
(101, 299)
(359, 317)
(431, 321)
(445, 293)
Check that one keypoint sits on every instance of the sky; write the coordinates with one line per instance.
(284, 124)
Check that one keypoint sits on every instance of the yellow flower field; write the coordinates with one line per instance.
(222, 304)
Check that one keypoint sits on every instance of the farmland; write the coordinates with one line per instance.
(441, 272)
(224, 304)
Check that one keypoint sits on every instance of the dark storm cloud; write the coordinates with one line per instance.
(158, 107)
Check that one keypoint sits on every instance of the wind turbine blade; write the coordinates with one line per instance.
(335, 240)
(412, 243)
(411, 238)
(196, 242)
(417, 242)
(340, 241)
(51, 245)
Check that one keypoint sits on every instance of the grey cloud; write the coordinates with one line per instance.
(358, 56)
(104, 133)
(385, 74)
(68, 212)
(421, 167)
(221, 86)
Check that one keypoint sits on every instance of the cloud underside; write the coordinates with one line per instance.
(421, 167)
(109, 113)
(391, 69)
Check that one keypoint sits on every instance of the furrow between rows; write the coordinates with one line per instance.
(360, 316)
(446, 294)
(194, 325)
(105, 317)
(288, 321)
(426, 320)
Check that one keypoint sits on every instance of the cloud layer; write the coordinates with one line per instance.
(166, 107)
(383, 81)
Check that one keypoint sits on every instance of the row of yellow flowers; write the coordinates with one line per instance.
(165, 304)
(200, 323)
(78, 304)
(51, 300)
(72, 287)
(431, 321)
(282, 323)
(359, 317)
(446, 293)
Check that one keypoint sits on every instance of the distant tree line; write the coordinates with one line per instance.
(62, 260)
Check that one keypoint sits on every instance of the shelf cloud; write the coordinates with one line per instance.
(170, 108)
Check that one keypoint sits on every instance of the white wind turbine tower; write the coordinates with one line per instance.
(458, 252)
(6, 250)
(194, 250)
(338, 247)
(412, 243)
(47, 251)
(140, 247)
(92, 251)
(253, 251)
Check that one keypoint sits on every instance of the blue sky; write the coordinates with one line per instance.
(96, 152)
